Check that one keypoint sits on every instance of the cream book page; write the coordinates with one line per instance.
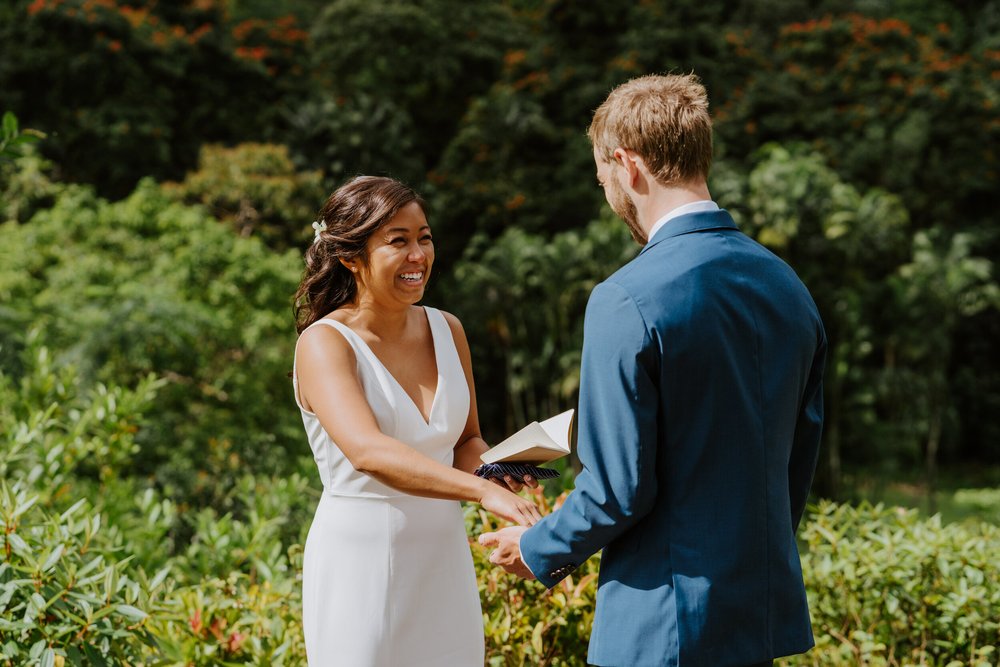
(538, 442)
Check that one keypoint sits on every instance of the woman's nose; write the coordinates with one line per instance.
(417, 253)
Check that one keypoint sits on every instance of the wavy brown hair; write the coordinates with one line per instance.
(352, 214)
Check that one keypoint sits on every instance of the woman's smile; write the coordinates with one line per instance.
(413, 278)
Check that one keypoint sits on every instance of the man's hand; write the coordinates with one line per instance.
(515, 484)
(507, 550)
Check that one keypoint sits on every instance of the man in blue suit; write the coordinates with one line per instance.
(700, 413)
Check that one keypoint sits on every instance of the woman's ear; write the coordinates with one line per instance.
(350, 264)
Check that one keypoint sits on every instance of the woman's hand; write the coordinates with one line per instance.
(509, 505)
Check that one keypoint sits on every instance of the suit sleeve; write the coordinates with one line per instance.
(616, 442)
(808, 432)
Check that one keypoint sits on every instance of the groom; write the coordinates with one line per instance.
(699, 418)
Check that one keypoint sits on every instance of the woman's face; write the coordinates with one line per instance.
(400, 255)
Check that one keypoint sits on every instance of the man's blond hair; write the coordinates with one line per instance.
(663, 118)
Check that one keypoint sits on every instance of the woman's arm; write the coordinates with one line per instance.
(471, 444)
(329, 386)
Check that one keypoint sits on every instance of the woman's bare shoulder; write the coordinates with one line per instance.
(322, 342)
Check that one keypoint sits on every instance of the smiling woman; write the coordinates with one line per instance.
(387, 399)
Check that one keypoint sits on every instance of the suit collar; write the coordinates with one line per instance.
(692, 222)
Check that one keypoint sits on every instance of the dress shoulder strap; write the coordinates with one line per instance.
(440, 329)
(444, 342)
(436, 319)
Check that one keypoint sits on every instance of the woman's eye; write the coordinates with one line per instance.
(397, 241)
(426, 237)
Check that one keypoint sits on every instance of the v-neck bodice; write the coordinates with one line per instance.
(359, 342)
(395, 411)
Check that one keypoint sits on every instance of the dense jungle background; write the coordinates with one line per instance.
(161, 164)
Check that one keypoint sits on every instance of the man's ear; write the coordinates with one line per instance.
(631, 162)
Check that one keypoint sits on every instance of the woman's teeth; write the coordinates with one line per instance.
(413, 277)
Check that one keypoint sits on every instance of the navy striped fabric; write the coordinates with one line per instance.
(515, 470)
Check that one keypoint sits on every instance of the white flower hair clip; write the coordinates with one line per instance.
(318, 228)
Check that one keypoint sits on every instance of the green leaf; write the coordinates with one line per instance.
(72, 510)
(159, 577)
(36, 649)
(48, 658)
(94, 656)
(23, 139)
(25, 506)
(132, 613)
(110, 582)
(6, 593)
(39, 602)
(19, 546)
(536, 638)
(9, 125)
(53, 558)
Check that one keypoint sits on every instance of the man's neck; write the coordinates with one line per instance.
(663, 200)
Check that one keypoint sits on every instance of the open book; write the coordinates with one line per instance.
(538, 442)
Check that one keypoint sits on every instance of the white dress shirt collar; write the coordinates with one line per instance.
(693, 207)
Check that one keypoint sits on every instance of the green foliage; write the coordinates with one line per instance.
(499, 169)
(524, 623)
(59, 432)
(984, 502)
(429, 58)
(128, 89)
(110, 581)
(23, 184)
(913, 112)
(233, 621)
(256, 189)
(844, 243)
(11, 137)
(144, 346)
(149, 285)
(887, 587)
(876, 290)
(538, 345)
(62, 594)
(356, 134)
(114, 580)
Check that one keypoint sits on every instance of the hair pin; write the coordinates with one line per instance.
(319, 227)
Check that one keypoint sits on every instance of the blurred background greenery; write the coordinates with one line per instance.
(159, 171)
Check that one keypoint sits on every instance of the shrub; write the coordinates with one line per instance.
(134, 577)
(255, 188)
(233, 620)
(887, 587)
(150, 285)
(524, 623)
(62, 594)
(76, 583)
(528, 359)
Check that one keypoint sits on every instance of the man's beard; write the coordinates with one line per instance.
(625, 209)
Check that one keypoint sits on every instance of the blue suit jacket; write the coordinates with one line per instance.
(699, 424)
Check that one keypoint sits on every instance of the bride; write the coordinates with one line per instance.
(387, 399)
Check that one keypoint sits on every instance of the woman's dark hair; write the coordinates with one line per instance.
(352, 214)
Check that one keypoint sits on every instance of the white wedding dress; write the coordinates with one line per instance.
(388, 579)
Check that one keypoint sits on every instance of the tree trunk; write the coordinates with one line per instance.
(933, 447)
